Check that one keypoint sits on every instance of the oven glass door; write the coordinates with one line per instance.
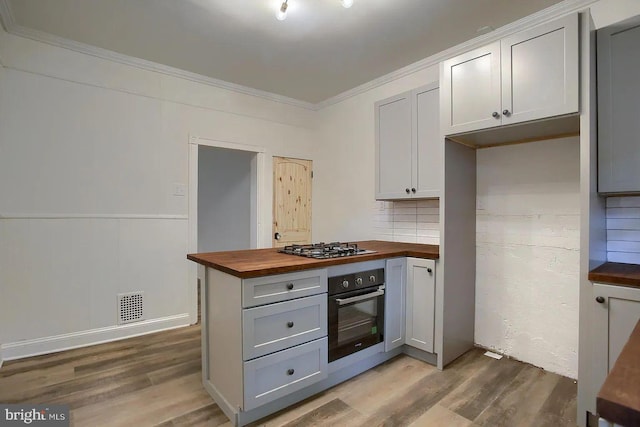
(355, 321)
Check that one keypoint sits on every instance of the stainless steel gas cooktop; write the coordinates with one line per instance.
(325, 250)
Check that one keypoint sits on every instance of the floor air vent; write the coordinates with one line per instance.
(130, 307)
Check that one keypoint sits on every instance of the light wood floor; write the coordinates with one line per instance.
(155, 380)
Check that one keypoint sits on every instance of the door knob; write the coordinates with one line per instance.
(277, 236)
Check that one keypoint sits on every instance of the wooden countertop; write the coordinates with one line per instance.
(263, 262)
(617, 274)
(619, 397)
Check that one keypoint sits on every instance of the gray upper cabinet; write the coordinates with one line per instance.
(533, 74)
(618, 107)
(408, 145)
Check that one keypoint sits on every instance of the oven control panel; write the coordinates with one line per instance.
(355, 281)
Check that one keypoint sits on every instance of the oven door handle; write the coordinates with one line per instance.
(370, 295)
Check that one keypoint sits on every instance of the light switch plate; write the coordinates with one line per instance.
(179, 189)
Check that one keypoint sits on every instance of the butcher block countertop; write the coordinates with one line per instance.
(616, 273)
(619, 397)
(263, 262)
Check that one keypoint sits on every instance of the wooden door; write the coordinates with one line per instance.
(291, 201)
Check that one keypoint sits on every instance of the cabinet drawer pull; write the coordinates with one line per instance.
(600, 300)
(289, 286)
(290, 324)
(290, 372)
(407, 190)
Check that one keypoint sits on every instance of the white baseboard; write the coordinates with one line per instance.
(35, 347)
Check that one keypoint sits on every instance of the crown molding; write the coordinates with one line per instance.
(545, 15)
(567, 6)
(6, 15)
(10, 25)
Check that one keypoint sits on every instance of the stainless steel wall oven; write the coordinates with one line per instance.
(355, 312)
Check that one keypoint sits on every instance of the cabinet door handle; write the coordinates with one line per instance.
(290, 324)
(290, 372)
(495, 114)
(407, 190)
(506, 113)
(600, 300)
(413, 190)
(289, 286)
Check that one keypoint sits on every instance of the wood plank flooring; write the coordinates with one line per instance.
(154, 380)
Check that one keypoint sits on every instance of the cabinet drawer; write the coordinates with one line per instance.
(274, 327)
(282, 287)
(276, 375)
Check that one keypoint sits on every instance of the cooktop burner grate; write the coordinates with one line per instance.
(324, 250)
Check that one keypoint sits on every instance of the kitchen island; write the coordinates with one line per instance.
(267, 323)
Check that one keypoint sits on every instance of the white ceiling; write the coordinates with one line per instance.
(319, 51)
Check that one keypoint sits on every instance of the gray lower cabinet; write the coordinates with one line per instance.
(279, 374)
(394, 304)
(618, 106)
(274, 327)
(420, 303)
(280, 287)
(616, 312)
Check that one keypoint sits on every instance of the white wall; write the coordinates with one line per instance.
(224, 199)
(528, 249)
(90, 152)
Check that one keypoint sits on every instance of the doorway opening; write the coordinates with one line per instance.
(224, 203)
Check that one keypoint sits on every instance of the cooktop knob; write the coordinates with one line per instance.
(359, 281)
(345, 283)
(372, 278)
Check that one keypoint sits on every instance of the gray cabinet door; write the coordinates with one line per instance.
(470, 90)
(394, 303)
(281, 287)
(270, 377)
(274, 327)
(427, 143)
(614, 320)
(420, 303)
(619, 107)
(540, 71)
(393, 147)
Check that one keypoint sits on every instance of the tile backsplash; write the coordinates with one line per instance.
(623, 229)
(409, 221)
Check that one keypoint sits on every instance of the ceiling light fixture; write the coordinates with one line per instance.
(281, 13)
